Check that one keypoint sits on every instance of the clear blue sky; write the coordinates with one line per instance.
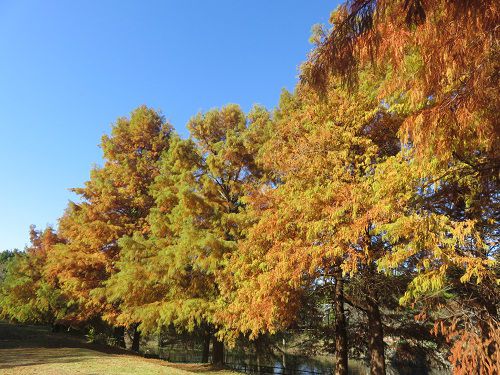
(68, 69)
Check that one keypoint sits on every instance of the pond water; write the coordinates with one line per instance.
(288, 364)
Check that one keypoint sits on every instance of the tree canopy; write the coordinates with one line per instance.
(369, 195)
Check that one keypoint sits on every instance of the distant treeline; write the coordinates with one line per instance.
(365, 206)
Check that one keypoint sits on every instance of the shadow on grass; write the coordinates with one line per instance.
(27, 345)
(21, 357)
(30, 345)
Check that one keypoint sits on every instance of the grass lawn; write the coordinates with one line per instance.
(34, 350)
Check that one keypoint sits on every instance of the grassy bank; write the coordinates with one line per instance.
(35, 350)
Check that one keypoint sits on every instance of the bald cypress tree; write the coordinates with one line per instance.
(114, 202)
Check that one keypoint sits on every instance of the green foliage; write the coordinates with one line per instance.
(5, 257)
(26, 293)
(173, 276)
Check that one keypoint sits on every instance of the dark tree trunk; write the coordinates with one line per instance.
(258, 350)
(136, 338)
(217, 352)
(206, 348)
(57, 327)
(340, 328)
(160, 340)
(375, 340)
(119, 335)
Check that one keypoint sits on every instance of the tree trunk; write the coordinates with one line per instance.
(258, 353)
(217, 352)
(375, 340)
(160, 341)
(340, 328)
(57, 327)
(206, 348)
(136, 338)
(119, 335)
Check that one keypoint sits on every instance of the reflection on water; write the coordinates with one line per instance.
(287, 364)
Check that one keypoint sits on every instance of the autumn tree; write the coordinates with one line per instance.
(437, 198)
(195, 225)
(114, 203)
(144, 281)
(26, 294)
(313, 226)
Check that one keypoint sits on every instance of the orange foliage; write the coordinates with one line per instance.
(115, 203)
(473, 347)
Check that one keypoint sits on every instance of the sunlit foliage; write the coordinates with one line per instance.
(114, 203)
(26, 293)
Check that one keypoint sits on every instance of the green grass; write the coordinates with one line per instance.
(34, 350)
